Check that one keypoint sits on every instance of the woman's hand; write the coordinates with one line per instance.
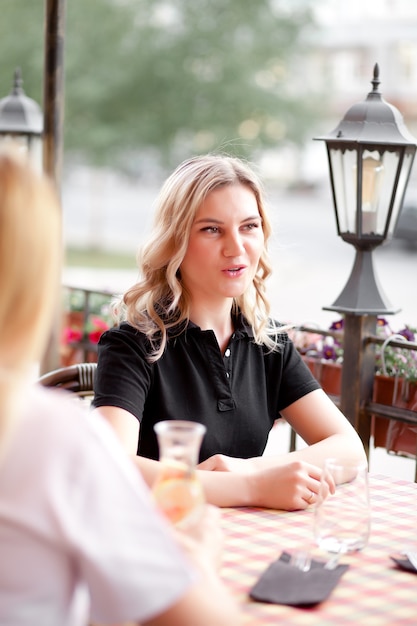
(283, 483)
(291, 487)
(223, 463)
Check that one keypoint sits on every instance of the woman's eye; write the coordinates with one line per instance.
(251, 226)
(210, 229)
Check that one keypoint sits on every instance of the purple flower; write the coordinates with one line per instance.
(394, 361)
(407, 333)
(329, 353)
(381, 322)
(338, 325)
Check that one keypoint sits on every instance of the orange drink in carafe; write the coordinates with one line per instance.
(177, 491)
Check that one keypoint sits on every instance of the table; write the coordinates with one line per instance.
(372, 591)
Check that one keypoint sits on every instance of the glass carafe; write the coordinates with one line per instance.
(177, 491)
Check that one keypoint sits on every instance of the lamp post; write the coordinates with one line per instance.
(370, 155)
(41, 135)
(21, 122)
(53, 97)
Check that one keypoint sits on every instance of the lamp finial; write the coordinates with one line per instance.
(17, 82)
(375, 81)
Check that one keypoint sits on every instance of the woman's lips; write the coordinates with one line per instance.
(237, 270)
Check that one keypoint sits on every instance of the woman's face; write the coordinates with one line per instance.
(225, 245)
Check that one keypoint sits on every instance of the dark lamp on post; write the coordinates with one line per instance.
(370, 156)
(21, 122)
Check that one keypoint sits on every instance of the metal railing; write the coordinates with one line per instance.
(366, 406)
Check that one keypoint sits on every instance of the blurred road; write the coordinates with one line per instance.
(311, 263)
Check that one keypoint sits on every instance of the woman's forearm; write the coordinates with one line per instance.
(346, 449)
(286, 486)
(221, 488)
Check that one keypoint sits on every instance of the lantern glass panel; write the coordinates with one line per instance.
(16, 141)
(28, 145)
(402, 184)
(385, 176)
(36, 152)
(373, 175)
(379, 171)
(343, 165)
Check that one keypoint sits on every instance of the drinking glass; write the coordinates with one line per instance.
(177, 490)
(342, 519)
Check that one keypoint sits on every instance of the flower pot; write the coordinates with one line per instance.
(327, 373)
(383, 394)
(391, 434)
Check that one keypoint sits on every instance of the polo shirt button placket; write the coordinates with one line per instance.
(227, 362)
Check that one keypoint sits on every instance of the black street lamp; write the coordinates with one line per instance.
(370, 155)
(21, 122)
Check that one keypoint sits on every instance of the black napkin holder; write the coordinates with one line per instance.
(282, 583)
(404, 564)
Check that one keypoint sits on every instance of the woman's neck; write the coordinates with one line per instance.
(219, 320)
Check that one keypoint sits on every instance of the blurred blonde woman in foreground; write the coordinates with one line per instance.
(79, 535)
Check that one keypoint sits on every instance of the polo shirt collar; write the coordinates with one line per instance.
(242, 327)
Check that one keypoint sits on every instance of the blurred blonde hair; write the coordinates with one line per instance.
(30, 262)
(159, 302)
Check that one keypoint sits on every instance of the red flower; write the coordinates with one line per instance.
(95, 335)
(98, 327)
(98, 323)
(71, 335)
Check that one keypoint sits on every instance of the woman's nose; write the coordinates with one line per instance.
(233, 245)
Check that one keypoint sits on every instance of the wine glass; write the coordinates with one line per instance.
(177, 491)
(342, 518)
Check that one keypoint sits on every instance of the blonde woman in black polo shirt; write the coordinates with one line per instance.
(195, 341)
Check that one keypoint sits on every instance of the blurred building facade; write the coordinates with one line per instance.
(351, 37)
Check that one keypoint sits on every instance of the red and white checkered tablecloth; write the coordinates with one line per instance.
(372, 591)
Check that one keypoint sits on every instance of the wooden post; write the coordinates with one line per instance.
(358, 372)
(53, 89)
(53, 107)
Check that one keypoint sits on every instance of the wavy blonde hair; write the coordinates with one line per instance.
(159, 302)
(30, 262)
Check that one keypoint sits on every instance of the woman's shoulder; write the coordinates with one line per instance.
(278, 326)
(127, 335)
(279, 334)
(60, 428)
(124, 329)
(53, 412)
(50, 424)
(278, 330)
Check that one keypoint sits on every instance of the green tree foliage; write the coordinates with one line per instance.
(171, 77)
(21, 45)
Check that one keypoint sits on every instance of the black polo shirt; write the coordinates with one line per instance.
(237, 395)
